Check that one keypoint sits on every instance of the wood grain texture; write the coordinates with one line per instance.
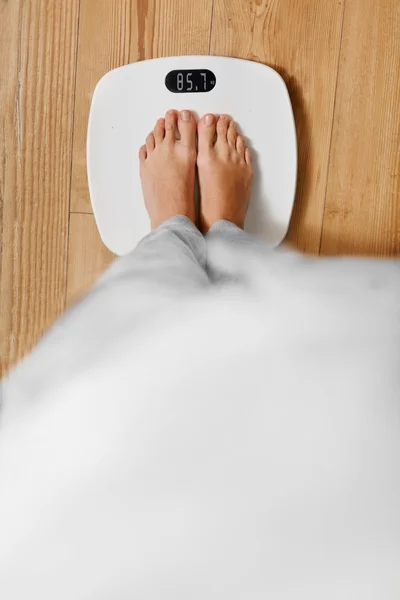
(9, 18)
(38, 52)
(87, 257)
(105, 37)
(362, 213)
(116, 32)
(301, 40)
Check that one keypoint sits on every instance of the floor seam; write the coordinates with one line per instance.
(72, 154)
(211, 26)
(333, 124)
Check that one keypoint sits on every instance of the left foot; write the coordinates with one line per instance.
(167, 168)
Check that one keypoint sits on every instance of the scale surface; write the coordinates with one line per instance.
(125, 106)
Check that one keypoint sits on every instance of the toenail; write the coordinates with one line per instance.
(209, 120)
(185, 115)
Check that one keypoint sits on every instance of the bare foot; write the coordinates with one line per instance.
(225, 172)
(167, 168)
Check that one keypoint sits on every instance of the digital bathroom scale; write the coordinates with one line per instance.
(125, 106)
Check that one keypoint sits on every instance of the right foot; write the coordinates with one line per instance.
(225, 172)
(167, 168)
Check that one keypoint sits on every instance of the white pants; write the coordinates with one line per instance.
(212, 421)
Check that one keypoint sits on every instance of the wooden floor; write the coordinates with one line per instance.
(341, 62)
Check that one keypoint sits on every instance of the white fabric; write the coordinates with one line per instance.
(213, 421)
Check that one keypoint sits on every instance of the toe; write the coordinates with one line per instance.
(247, 156)
(150, 142)
(142, 153)
(232, 135)
(222, 128)
(206, 131)
(240, 146)
(187, 128)
(159, 131)
(170, 125)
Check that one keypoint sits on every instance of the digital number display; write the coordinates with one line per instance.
(184, 82)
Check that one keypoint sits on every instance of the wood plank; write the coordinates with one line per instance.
(116, 32)
(362, 213)
(9, 17)
(38, 56)
(301, 40)
(88, 257)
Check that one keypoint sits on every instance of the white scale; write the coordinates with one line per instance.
(126, 104)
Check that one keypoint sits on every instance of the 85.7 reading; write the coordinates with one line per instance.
(197, 80)
(180, 78)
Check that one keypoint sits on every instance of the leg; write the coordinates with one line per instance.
(172, 256)
(225, 175)
(225, 172)
(171, 259)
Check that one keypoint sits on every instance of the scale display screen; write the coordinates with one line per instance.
(185, 81)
